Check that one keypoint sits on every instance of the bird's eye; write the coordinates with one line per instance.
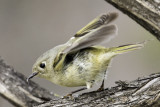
(43, 65)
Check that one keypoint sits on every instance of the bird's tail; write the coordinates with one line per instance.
(126, 48)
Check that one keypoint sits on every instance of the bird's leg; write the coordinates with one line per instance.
(102, 86)
(70, 94)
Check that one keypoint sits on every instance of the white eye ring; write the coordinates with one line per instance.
(42, 65)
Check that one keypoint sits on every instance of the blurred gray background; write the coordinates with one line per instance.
(28, 28)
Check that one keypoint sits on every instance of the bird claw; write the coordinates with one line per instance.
(68, 96)
(101, 89)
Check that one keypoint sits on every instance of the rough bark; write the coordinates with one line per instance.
(144, 12)
(144, 92)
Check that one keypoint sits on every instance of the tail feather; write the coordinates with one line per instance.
(127, 48)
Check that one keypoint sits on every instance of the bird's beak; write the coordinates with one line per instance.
(32, 75)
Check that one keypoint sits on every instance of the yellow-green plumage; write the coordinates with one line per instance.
(88, 65)
(80, 62)
(84, 65)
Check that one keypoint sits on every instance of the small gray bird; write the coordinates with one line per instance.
(80, 62)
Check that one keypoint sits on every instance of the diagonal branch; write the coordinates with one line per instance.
(141, 92)
(144, 12)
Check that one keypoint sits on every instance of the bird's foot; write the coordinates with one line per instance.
(101, 89)
(69, 96)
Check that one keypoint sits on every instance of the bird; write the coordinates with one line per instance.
(82, 61)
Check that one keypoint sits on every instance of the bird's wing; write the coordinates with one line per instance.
(93, 33)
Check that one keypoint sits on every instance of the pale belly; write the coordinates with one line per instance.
(83, 69)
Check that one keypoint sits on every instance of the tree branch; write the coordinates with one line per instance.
(144, 12)
(141, 92)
